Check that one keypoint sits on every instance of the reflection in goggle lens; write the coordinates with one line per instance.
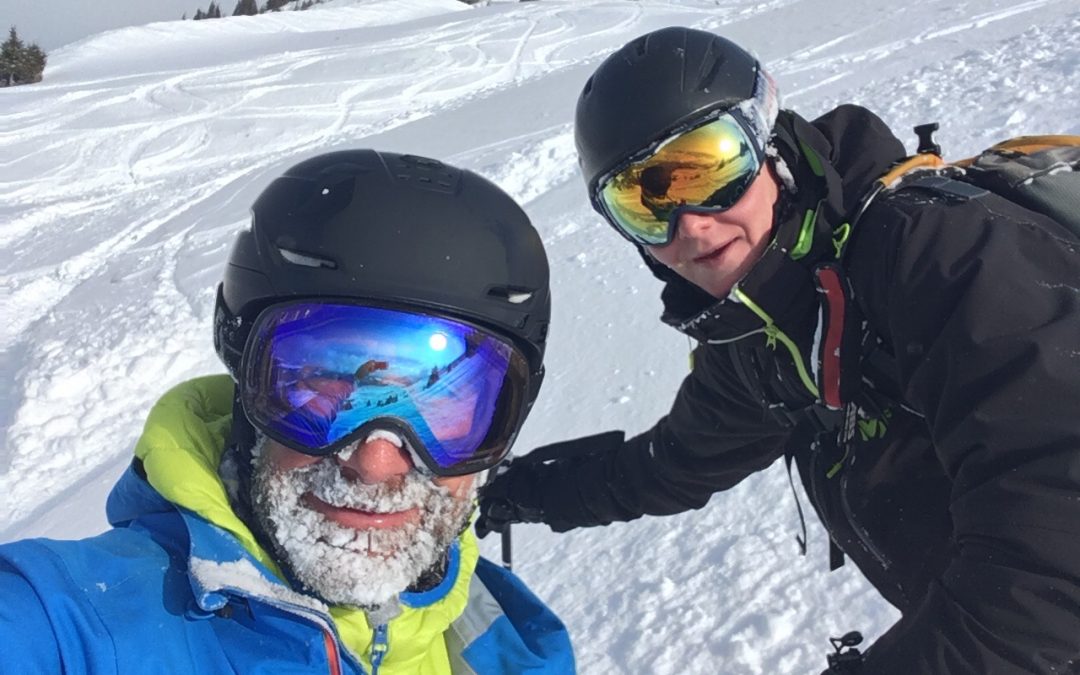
(709, 166)
(317, 372)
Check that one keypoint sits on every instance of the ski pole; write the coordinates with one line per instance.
(506, 563)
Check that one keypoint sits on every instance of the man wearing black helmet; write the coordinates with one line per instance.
(308, 512)
(917, 362)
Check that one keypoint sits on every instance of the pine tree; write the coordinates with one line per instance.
(34, 63)
(10, 55)
(246, 8)
(199, 16)
(213, 11)
(20, 63)
(274, 5)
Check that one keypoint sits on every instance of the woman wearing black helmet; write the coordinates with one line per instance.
(913, 355)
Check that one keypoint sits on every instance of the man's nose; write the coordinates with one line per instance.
(695, 224)
(376, 461)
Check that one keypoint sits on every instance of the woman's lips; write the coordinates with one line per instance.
(362, 520)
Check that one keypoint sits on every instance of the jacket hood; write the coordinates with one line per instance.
(833, 161)
(178, 454)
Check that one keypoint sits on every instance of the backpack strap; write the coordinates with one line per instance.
(837, 337)
(913, 163)
(1026, 145)
(957, 189)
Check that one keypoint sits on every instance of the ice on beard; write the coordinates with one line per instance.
(365, 568)
(328, 485)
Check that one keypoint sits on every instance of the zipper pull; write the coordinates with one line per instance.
(379, 646)
(770, 335)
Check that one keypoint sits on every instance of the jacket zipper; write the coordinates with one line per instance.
(332, 656)
(845, 506)
(323, 623)
(380, 645)
(860, 532)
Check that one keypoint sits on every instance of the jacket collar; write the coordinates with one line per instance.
(807, 222)
(175, 475)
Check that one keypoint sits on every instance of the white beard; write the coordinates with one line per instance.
(345, 566)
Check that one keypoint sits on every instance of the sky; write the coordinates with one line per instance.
(128, 170)
(54, 23)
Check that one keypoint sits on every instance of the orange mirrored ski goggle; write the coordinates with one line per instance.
(707, 168)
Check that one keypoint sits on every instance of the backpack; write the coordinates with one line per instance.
(1040, 173)
(856, 371)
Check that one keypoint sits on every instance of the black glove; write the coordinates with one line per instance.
(512, 495)
(516, 493)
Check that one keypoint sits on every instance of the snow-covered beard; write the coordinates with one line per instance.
(345, 566)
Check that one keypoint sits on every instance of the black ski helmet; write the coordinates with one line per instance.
(361, 224)
(659, 82)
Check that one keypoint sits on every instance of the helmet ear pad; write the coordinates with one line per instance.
(229, 336)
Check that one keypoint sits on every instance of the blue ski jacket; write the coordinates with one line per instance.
(167, 590)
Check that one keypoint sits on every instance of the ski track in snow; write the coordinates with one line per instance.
(126, 178)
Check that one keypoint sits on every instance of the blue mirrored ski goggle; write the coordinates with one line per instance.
(318, 376)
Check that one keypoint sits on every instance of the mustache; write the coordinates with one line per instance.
(325, 481)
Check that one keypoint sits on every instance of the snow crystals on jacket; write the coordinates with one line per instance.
(181, 586)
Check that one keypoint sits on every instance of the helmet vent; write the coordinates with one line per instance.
(427, 174)
(515, 295)
(306, 259)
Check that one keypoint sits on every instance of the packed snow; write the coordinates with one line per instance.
(126, 173)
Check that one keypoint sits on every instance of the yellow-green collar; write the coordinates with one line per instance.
(181, 447)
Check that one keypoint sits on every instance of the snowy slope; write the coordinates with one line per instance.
(126, 173)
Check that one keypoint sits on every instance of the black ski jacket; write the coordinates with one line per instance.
(954, 483)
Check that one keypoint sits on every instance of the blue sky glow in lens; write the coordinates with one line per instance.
(328, 369)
